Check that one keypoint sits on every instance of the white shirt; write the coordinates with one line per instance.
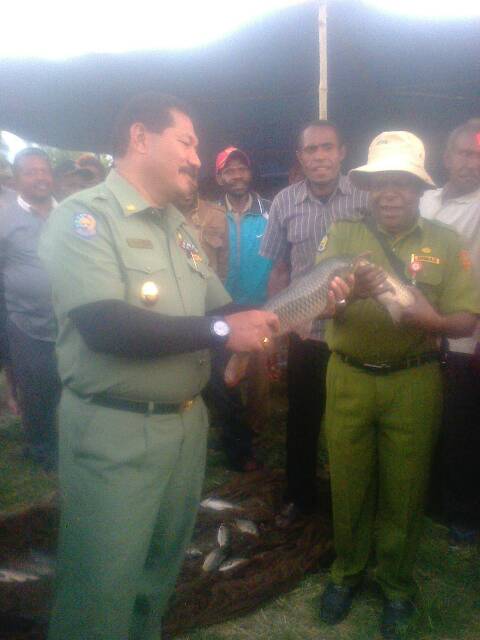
(463, 214)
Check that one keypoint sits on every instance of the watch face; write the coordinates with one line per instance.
(221, 328)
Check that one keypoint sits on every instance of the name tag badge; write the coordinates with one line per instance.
(139, 243)
(429, 259)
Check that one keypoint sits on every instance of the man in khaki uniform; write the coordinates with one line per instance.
(383, 381)
(210, 223)
(131, 288)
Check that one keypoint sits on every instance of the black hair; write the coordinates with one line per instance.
(153, 110)
(328, 124)
(29, 152)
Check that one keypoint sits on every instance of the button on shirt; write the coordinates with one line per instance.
(463, 214)
(105, 243)
(298, 221)
(28, 296)
(365, 330)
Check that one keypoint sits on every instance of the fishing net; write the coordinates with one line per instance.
(277, 558)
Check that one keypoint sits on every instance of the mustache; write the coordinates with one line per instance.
(192, 172)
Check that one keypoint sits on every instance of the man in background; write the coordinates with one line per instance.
(30, 322)
(458, 205)
(208, 218)
(70, 178)
(299, 218)
(246, 280)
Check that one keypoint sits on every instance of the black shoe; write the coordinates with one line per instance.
(336, 603)
(396, 617)
(290, 515)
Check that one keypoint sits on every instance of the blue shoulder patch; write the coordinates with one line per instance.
(85, 225)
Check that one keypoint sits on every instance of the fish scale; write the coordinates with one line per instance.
(300, 303)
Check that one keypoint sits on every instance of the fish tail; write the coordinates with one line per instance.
(236, 369)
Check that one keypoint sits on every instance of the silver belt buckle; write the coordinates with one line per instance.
(377, 367)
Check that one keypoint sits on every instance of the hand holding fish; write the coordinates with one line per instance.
(339, 293)
(248, 330)
(370, 279)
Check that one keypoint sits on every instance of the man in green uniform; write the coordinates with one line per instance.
(131, 290)
(383, 382)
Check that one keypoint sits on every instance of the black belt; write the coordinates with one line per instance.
(381, 368)
(149, 408)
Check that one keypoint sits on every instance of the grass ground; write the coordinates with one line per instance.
(449, 580)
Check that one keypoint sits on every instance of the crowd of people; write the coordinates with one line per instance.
(124, 293)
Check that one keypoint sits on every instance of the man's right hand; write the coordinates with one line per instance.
(248, 330)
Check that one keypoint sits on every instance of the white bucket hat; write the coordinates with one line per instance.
(394, 151)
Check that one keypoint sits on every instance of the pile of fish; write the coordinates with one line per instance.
(221, 557)
(36, 566)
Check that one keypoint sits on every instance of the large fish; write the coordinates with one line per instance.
(306, 299)
(297, 306)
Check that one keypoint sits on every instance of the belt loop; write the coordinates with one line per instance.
(150, 408)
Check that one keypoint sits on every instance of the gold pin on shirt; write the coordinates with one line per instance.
(149, 293)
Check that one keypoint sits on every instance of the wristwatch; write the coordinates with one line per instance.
(220, 330)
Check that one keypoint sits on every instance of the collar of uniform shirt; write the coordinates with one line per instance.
(28, 207)
(343, 186)
(126, 194)
(416, 227)
(442, 194)
(246, 208)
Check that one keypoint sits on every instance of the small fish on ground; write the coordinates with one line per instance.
(43, 563)
(215, 558)
(247, 526)
(224, 536)
(217, 504)
(10, 575)
(192, 552)
(233, 563)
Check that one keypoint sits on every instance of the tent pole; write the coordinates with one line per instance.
(322, 41)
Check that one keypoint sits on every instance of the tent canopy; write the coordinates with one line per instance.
(256, 87)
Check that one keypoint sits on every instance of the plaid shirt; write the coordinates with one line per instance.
(298, 221)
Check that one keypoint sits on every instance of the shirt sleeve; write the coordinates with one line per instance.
(275, 242)
(78, 251)
(461, 292)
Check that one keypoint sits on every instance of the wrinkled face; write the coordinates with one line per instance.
(235, 177)
(394, 199)
(462, 161)
(34, 179)
(170, 159)
(321, 155)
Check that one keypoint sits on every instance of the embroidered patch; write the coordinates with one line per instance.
(323, 243)
(139, 243)
(85, 225)
(465, 260)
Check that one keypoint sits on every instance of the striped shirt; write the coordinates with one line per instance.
(298, 221)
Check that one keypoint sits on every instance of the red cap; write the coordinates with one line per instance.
(224, 156)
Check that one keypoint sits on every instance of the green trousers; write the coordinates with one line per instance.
(381, 431)
(130, 487)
